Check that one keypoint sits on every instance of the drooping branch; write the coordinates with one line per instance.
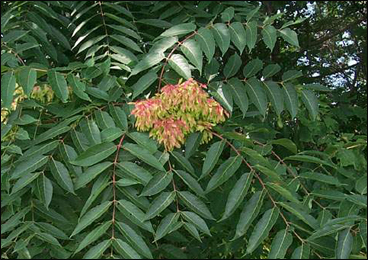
(292, 173)
(287, 223)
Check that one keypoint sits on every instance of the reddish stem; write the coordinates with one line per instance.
(255, 174)
(174, 187)
(113, 186)
(292, 173)
(169, 56)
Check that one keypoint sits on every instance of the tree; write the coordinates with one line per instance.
(268, 160)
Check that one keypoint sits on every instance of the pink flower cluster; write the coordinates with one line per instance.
(177, 111)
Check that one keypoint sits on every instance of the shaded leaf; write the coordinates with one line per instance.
(196, 220)
(157, 184)
(239, 94)
(98, 186)
(275, 95)
(262, 229)
(311, 102)
(184, 162)
(166, 225)
(251, 34)
(227, 14)
(299, 213)
(144, 155)
(269, 173)
(269, 36)
(195, 204)
(221, 34)
(192, 143)
(61, 174)
(134, 214)
(45, 190)
(78, 87)
(287, 143)
(191, 182)
(111, 134)
(96, 251)
(143, 140)
(91, 131)
(143, 83)
(289, 195)
(310, 159)
(27, 79)
(237, 195)
(291, 74)
(256, 95)
(192, 230)
(321, 178)
(291, 99)
(232, 66)
(193, 53)
(224, 172)
(126, 42)
(280, 244)
(150, 60)
(252, 68)
(207, 42)
(91, 216)
(159, 204)
(134, 240)
(180, 65)
(7, 88)
(95, 154)
(271, 70)
(238, 35)
(301, 252)
(163, 44)
(125, 250)
(93, 236)
(135, 171)
(179, 29)
(119, 116)
(249, 213)
(58, 84)
(290, 36)
(29, 166)
(24, 181)
(212, 157)
(91, 173)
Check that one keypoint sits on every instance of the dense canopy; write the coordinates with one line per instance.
(183, 129)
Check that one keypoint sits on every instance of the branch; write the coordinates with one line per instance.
(339, 70)
(15, 53)
(174, 187)
(260, 181)
(169, 56)
(333, 34)
(105, 27)
(114, 188)
(292, 173)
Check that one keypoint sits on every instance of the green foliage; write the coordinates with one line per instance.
(283, 177)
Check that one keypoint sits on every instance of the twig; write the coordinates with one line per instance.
(261, 182)
(255, 173)
(169, 56)
(114, 188)
(174, 187)
(105, 27)
(15, 53)
(292, 173)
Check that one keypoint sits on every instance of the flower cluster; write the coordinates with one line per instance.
(177, 111)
